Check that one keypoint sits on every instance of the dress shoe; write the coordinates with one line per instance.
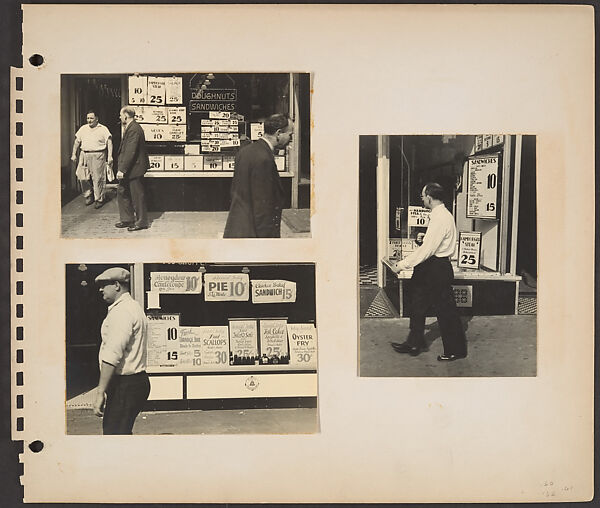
(450, 358)
(136, 228)
(89, 200)
(123, 224)
(404, 347)
(99, 204)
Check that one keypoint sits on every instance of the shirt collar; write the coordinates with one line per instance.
(122, 298)
(268, 143)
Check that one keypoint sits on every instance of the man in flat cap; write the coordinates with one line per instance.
(124, 386)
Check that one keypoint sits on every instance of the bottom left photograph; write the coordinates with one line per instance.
(191, 348)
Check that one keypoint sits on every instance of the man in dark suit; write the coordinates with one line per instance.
(256, 191)
(133, 163)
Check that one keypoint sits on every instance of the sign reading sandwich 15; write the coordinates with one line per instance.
(482, 187)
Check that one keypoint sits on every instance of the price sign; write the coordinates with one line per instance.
(219, 115)
(273, 291)
(189, 357)
(498, 139)
(226, 287)
(140, 114)
(194, 162)
(243, 340)
(395, 248)
(280, 162)
(469, 249)
(303, 345)
(177, 115)
(215, 345)
(463, 295)
(155, 133)
(138, 89)
(213, 163)
(228, 162)
(482, 187)
(176, 282)
(257, 130)
(191, 149)
(155, 114)
(157, 162)
(156, 91)
(174, 163)
(273, 340)
(479, 143)
(176, 132)
(487, 141)
(418, 216)
(173, 86)
(162, 346)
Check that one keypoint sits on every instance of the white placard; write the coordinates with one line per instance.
(153, 300)
(418, 216)
(478, 143)
(191, 149)
(177, 115)
(189, 356)
(302, 338)
(257, 130)
(273, 340)
(226, 287)
(174, 163)
(176, 282)
(219, 115)
(215, 345)
(408, 247)
(213, 162)
(273, 291)
(498, 139)
(174, 90)
(193, 162)
(162, 345)
(482, 187)
(395, 248)
(176, 132)
(280, 162)
(243, 340)
(157, 162)
(155, 114)
(487, 141)
(469, 249)
(155, 133)
(140, 114)
(138, 89)
(228, 162)
(156, 91)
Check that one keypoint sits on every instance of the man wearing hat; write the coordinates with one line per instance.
(124, 386)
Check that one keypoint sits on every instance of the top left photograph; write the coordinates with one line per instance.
(185, 155)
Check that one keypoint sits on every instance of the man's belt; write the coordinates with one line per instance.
(93, 151)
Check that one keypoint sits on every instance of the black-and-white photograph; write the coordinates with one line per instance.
(191, 348)
(185, 155)
(448, 255)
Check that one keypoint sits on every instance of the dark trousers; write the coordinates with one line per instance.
(125, 398)
(132, 201)
(431, 286)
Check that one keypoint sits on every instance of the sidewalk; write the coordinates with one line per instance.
(498, 346)
(223, 421)
(80, 221)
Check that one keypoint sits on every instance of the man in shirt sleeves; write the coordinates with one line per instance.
(124, 386)
(256, 191)
(431, 282)
(133, 163)
(95, 141)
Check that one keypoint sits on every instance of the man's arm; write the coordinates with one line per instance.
(106, 373)
(109, 147)
(76, 146)
(432, 240)
(262, 193)
(129, 149)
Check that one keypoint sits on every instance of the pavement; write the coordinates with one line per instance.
(222, 421)
(81, 221)
(498, 346)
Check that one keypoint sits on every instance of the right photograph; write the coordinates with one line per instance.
(447, 255)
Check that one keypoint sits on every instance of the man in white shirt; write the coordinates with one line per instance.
(123, 387)
(95, 141)
(431, 282)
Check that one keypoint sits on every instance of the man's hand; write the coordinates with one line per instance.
(99, 403)
(399, 266)
(74, 158)
(110, 161)
(120, 175)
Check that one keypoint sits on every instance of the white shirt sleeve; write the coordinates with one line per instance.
(432, 240)
(119, 332)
